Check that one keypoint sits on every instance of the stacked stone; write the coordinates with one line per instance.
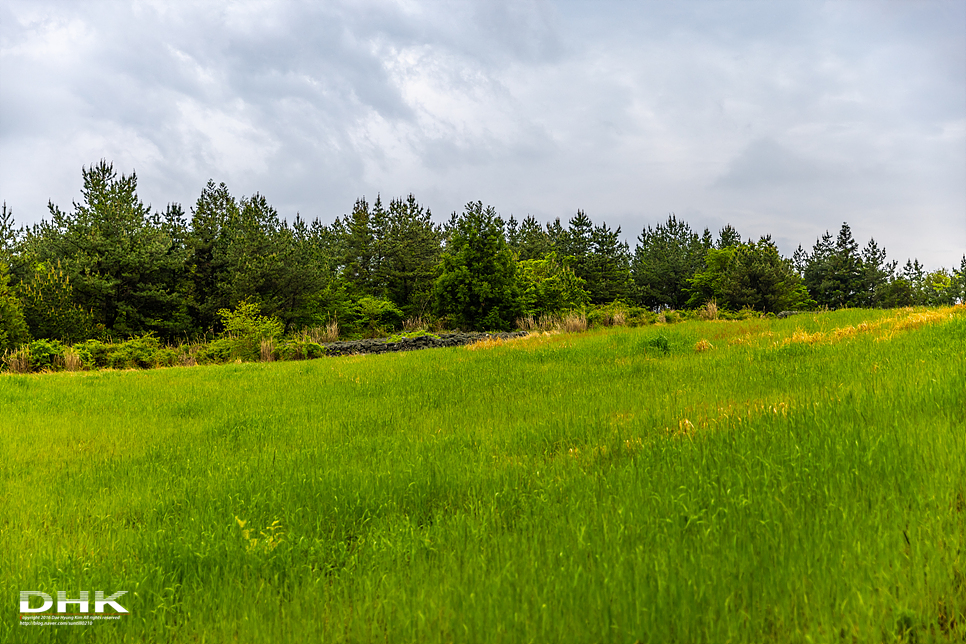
(377, 345)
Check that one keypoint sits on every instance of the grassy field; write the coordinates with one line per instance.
(797, 480)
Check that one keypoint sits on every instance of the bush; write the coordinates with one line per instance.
(300, 349)
(245, 328)
(657, 343)
(217, 352)
(46, 354)
(374, 317)
(93, 354)
(137, 353)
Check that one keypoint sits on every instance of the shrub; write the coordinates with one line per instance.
(302, 348)
(138, 353)
(46, 354)
(657, 343)
(373, 316)
(216, 352)
(93, 354)
(245, 328)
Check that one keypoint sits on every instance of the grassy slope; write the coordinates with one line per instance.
(800, 481)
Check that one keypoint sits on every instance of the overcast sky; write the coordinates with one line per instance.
(783, 117)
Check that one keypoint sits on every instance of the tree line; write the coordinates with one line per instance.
(112, 267)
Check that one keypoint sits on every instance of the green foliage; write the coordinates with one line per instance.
(93, 354)
(245, 328)
(371, 317)
(45, 355)
(300, 348)
(597, 256)
(410, 335)
(218, 351)
(657, 343)
(477, 287)
(206, 261)
(749, 275)
(50, 309)
(549, 286)
(665, 258)
(136, 353)
(835, 274)
(124, 263)
(13, 326)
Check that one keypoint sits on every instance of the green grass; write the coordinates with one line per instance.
(792, 483)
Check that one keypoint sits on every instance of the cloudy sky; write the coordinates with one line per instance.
(777, 117)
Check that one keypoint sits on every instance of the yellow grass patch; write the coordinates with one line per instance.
(804, 337)
(486, 343)
(703, 345)
(920, 319)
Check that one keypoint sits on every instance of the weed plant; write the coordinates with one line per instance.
(796, 480)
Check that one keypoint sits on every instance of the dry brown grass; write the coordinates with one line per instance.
(267, 350)
(703, 345)
(709, 311)
(18, 361)
(417, 323)
(574, 323)
(72, 361)
(322, 334)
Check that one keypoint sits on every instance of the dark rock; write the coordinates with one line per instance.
(377, 345)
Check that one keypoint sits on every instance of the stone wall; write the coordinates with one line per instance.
(380, 345)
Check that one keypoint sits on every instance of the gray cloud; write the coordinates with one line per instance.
(784, 118)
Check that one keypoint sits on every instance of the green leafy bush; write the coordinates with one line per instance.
(245, 328)
(300, 349)
(136, 353)
(216, 352)
(94, 354)
(657, 343)
(46, 354)
(374, 316)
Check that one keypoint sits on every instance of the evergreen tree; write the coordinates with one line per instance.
(477, 287)
(534, 243)
(206, 257)
(750, 275)
(8, 235)
(609, 273)
(13, 327)
(411, 250)
(959, 282)
(875, 273)
(665, 258)
(834, 273)
(359, 248)
(125, 264)
(728, 237)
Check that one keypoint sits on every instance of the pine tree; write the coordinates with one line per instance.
(477, 287)
(875, 273)
(125, 265)
(206, 257)
(13, 327)
(534, 243)
(665, 258)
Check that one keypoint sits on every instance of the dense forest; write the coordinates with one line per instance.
(112, 268)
